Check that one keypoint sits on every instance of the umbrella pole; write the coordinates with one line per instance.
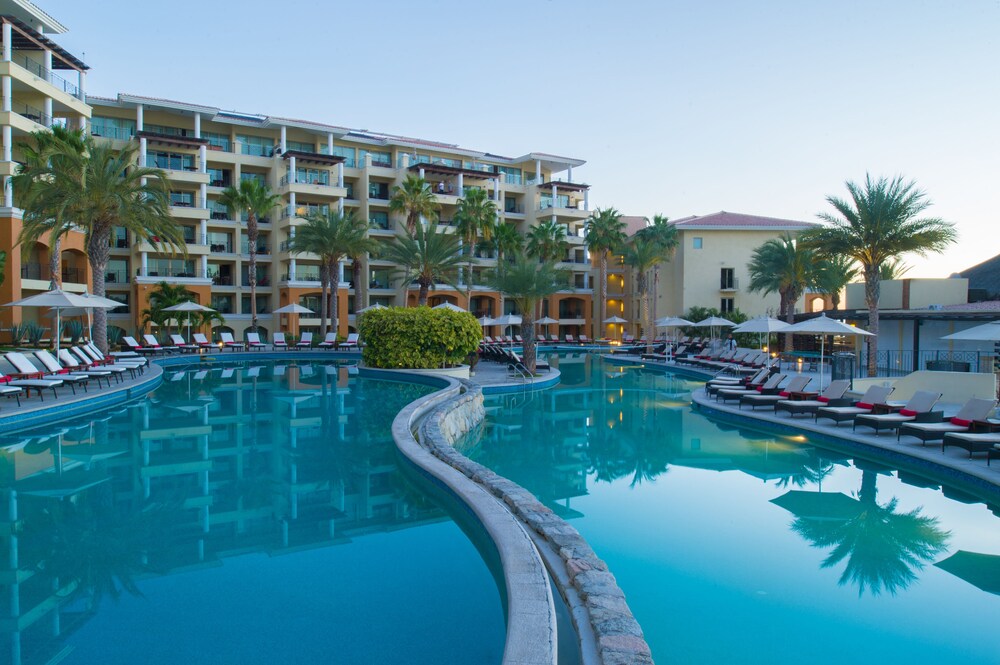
(822, 353)
(58, 329)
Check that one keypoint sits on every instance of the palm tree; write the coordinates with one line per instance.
(644, 253)
(783, 266)
(44, 146)
(331, 236)
(476, 216)
(358, 253)
(835, 273)
(547, 241)
(878, 224)
(893, 269)
(163, 296)
(662, 231)
(507, 242)
(97, 191)
(256, 200)
(605, 233)
(414, 199)
(428, 257)
(528, 283)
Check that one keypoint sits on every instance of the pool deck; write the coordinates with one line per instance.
(493, 379)
(953, 464)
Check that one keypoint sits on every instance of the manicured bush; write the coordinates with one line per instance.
(417, 337)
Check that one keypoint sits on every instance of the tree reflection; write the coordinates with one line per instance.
(882, 548)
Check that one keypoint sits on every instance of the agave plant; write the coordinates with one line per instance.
(17, 333)
(115, 335)
(34, 333)
(74, 329)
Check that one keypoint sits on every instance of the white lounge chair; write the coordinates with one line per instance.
(229, 342)
(202, 341)
(136, 347)
(353, 340)
(253, 341)
(179, 342)
(27, 369)
(72, 374)
(72, 361)
(795, 385)
(973, 410)
(328, 341)
(306, 341)
(838, 414)
(279, 341)
(154, 343)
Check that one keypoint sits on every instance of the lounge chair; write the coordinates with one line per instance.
(329, 341)
(832, 396)
(70, 359)
(795, 385)
(975, 409)
(32, 382)
(29, 370)
(772, 383)
(179, 342)
(279, 341)
(136, 347)
(153, 343)
(229, 342)
(58, 370)
(253, 341)
(353, 341)
(979, 442)
(89, 354)
(488, 340)
(737, 381)
(584, 339)
(202, 341)
(838, 414)
(305, 342)
(570, 339)
(919, 406)
(7, 390)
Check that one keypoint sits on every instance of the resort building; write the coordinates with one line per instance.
(709, 267)
(42, 85)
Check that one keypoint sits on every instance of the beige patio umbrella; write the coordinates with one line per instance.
(823, 325)
(297, 309)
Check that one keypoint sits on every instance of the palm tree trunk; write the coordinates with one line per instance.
(324, 282)
(422, 294)
(528, 334)
(252, 267)
(359, 283)
(98, 252)
(873, 286)
(643, 288)
(55, 256)
(365, 275)
(334, 295)
(602, 297)
(788, 308)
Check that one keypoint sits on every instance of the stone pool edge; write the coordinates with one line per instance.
(606, 629)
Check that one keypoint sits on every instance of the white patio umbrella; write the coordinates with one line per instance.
(672, 322)
(987, 332)
(448, 305)
(297, 309)
(712, 323)
(546, 321)
(485, 321)
(188, 306)
(507, 320)
(823, 325)
(616, 320)
(58, 300)
(763, 325)
(360, 311)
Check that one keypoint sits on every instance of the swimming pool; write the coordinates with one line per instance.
(738, 546)
(241, 513)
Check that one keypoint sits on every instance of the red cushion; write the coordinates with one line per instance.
(760, 389)
(63, 371)
(6, 379)
(823, 399)
(908, 412)
(783, 393)
(864, 405)
(961, 422)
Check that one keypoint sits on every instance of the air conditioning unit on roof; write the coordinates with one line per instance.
(935, 308)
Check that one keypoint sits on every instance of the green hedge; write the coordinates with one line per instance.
(417, 338)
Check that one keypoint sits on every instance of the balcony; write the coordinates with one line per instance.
(41, 272)
(157, 274)
(312, 186)
(730, 285)
(181, 168)
(36, 117)
(39, 70)
(116, 277)
(301, 276)
(184, 210)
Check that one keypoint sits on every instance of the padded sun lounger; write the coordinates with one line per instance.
(835, 391)
(71, 374)
(328, 341)
(179, 342)
(202, 341)
(919, 406)
(153, 343)
(29, 370)
(253, 341)
(229, 342)
(305, 342)
(725, 394)
(874, 395)
(983, 442)
(975, 409)
(352, 341)
(279, 341)
(795, 385)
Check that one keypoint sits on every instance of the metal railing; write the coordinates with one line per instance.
(168, 272)
(300, 277)
(29, 112)
(41, 271)
(901, 363)
(120, 133)
(116, 277)
(39, 70)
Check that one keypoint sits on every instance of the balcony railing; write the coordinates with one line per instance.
(261, 281)
(171, 164)
(118, 243)
(41, 271)
(39, 70)
(220, 280)
(514, 210)
(168, 272)
(221, 247)
(325, 181)
(116, 277)
(119, 133)
(301, 277)
(29, 112)
(262, 250)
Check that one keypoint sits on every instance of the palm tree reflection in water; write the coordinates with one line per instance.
(882, 548)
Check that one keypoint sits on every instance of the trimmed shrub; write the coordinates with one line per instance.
(417, 337)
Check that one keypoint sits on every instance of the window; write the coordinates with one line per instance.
(112, 128)
(259, 146)
(118, 296)
(182, 199)
(174, 161)
(378, 190)
(117, 272)
(222, 303)
(164, 129)
(300, 146)
(512, 176)
(728, 282)
(340, 151)
(727, 305)
(220, 141)
(379, 219)
(379, 158)
(259, 177)
(696, 243)
(262, 304)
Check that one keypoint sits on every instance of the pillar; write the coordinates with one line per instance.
(144, 262)
(284, 139)
(291, 263)
(461, 185)
(340, 175)
(586, 199)
(7, 44)
(81, 84)
(538, 171)
(554, 194)
(138, 118)
(291, 169)
(329, 144)
(569, 174)
(8, 192)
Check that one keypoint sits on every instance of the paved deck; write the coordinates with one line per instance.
(493, 378)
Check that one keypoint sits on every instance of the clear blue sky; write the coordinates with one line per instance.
(678, 107)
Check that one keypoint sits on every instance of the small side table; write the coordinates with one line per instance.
(984, 426)
(802, 395)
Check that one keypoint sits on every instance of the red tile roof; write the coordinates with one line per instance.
(723, 219)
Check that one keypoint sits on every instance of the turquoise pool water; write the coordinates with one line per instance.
(238, 515)
(739, 547)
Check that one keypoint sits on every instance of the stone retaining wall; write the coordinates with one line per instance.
(618, 637)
